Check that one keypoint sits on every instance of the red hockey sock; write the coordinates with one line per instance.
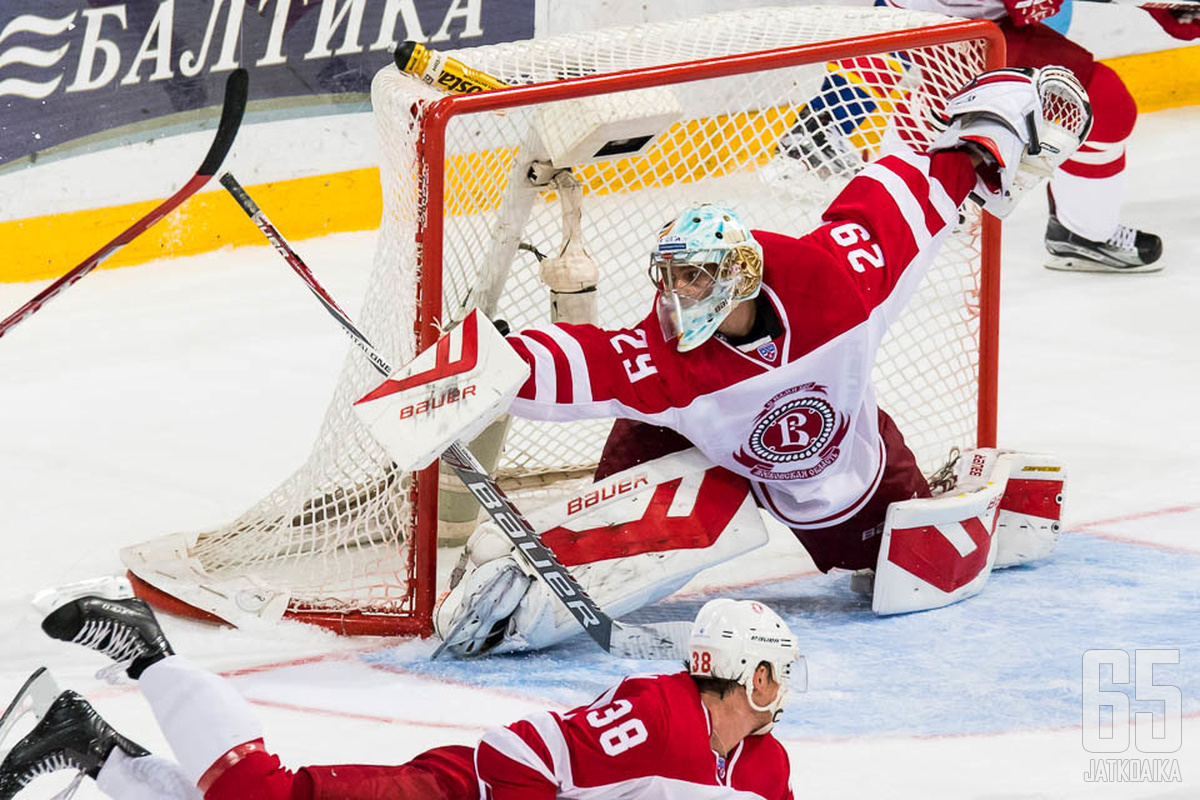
(256, 774)
(444, 773)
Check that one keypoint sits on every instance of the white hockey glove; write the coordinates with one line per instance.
(1022, 123)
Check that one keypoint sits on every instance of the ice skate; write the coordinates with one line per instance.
(1127, 250)
(124, 630)
(71, 735)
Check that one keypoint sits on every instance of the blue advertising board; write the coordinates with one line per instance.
(80, 74)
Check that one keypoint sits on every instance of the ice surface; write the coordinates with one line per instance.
(167, 397)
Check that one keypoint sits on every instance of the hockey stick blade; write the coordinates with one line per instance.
(631, 641)
(236, 89)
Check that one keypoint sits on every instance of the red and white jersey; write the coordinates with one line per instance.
(968, 9)
(647, 738)
(796, 415)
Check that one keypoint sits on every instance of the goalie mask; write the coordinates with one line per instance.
(732, 637)
(704, 262)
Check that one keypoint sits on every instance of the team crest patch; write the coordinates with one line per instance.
(768, 351)
(797, 426)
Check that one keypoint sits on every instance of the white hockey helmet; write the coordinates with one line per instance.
(732, 637)
(704, 261)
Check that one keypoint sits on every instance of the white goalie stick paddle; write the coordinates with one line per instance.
(667, 640)
(236, 89)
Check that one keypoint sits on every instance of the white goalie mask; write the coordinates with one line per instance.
(703, 263)
(732, 637)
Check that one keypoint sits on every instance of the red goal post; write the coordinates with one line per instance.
(349, 544)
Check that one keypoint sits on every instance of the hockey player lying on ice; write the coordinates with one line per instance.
(759, 355)
(702, 733)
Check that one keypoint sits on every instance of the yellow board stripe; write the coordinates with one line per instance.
(45, 247)
(1166, 79)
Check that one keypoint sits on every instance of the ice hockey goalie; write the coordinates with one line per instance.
(758, 354)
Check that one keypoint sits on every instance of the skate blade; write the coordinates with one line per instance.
(35, 698)
(1078, 264)
(110, 587)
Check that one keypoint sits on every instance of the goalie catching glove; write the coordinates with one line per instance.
(1022, 124)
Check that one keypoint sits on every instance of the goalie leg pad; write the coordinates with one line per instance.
(1029, 522)
(937, 551)
(629, 540)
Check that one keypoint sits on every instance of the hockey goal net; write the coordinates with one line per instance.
(770, 111)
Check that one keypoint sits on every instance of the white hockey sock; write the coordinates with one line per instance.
(200, 713)
(1088, 207)
(147, 778)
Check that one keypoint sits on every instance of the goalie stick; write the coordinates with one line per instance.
(654, 641)
(234, 106)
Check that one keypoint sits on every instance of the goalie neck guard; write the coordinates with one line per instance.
(703, 262)
(732, 637)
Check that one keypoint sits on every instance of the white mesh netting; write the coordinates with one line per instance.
(775, 144)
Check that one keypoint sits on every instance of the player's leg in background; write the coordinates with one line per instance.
(214, 732)
(854, 543)
(71, 735)
(1085, 231)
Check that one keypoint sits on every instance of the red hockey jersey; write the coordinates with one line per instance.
(647, 738)
(795, 415)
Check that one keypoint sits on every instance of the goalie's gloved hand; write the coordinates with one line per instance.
(1020, 124)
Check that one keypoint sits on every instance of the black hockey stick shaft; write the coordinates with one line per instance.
(300, 268)
(645, 643)
(234, 107)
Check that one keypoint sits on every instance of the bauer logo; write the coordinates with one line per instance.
(607, 492)
(76, 69)
(452, 395)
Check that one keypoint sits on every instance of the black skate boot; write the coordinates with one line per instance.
(71, 735)
(1127, 250)
(124, 630)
